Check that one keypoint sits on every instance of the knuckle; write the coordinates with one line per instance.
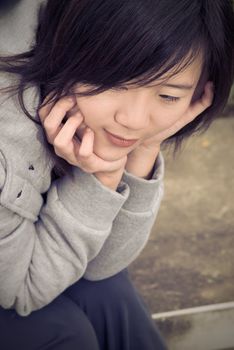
(47, 125)
(49, 139)
(57, 151)
(65, 102)
(74, 120)
(84, 156)
(71, 162)
(89, 171)
(59, 143)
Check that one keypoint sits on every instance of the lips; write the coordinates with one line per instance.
(121, 138)
(117, 141)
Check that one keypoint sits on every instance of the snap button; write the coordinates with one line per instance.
(19, 194)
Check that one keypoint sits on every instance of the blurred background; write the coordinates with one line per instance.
(189, 260)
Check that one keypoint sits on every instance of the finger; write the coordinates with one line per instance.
(86, 147)
(64, 137)
(98, 164)
(58, 109)
(53, 123)
(52, 134)
(111, 166)
(45, 108)
(68, 154)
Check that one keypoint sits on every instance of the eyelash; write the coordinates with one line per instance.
(168, 98)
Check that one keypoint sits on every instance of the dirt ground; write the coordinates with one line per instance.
(189, 258)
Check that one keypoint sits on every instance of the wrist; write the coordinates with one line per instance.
(110, 180)
(141, 162)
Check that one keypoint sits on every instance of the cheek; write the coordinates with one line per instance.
(86, 109)
(166, 116)
(94, 111)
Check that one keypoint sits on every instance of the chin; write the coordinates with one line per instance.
(108, 154)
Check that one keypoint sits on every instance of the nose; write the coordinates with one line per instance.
(134, 115)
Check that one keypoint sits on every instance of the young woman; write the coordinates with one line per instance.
(102, 85)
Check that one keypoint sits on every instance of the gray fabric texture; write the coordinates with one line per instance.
(83, 228)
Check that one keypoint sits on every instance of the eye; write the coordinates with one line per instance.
(168, 98)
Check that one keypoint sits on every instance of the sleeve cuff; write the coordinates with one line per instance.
(143, 193)
(87, 199)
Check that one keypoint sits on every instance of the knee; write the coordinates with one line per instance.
(62, 324)
(73, 328)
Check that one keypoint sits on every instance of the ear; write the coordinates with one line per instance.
(199, 91)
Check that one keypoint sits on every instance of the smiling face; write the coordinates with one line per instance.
(137, 112)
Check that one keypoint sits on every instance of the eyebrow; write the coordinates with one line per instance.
(179, 86)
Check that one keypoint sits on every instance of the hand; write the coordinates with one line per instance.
(141, 160)
(68, 146)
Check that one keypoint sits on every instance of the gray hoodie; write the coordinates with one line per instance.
(83, 228)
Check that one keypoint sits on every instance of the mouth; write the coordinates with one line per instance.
(122, 138)
(119, 141)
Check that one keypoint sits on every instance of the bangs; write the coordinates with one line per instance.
(129, 46)
(145, 75)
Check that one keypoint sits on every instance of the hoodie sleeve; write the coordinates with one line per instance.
(132, 226)
(40, 259)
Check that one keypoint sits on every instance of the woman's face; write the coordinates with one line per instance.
(138, 112)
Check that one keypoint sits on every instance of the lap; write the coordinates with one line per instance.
(117, 312)
(94, 315)
(61, 325)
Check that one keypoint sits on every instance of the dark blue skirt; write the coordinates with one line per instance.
(90, 315)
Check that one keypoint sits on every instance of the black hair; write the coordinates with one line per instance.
(107, 43)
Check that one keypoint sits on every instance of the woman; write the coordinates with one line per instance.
(148, 72)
